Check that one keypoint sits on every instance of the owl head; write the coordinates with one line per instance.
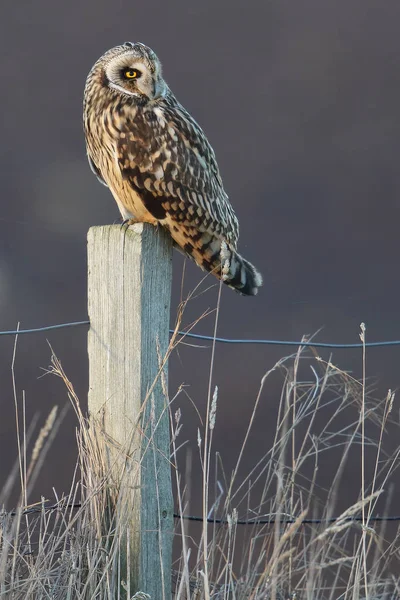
(131, 69)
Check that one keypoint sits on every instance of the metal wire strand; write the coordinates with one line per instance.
(218, 521)
(221, 340)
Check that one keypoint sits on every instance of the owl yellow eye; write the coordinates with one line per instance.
(131, 73)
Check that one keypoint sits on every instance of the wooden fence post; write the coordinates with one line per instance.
(129, 283)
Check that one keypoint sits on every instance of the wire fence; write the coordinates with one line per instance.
(184, 334)
(267, 520)
(221, 340)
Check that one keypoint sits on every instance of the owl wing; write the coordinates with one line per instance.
(171, 166)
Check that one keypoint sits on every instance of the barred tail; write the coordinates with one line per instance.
(219, 258)
(239, 273)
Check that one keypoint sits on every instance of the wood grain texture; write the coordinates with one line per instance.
(129, 283)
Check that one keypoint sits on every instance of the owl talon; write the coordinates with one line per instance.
(126, 223)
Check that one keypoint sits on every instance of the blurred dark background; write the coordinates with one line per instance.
(301, 103)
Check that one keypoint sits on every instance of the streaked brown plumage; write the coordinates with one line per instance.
(158, 164)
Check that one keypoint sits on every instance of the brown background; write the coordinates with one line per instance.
(301, 103)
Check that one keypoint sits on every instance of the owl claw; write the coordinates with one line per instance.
(126, 223)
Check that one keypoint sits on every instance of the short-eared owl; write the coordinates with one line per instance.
(158, 164)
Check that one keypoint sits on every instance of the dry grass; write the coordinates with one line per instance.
(74, 552)
(337, 558)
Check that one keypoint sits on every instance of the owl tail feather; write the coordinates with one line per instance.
(239, 273)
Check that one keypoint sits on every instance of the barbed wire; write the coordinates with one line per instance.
(214, 520)
(210, 338)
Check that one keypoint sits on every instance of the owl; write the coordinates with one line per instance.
(158, 163)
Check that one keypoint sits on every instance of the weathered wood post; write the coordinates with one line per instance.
(129, 283)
